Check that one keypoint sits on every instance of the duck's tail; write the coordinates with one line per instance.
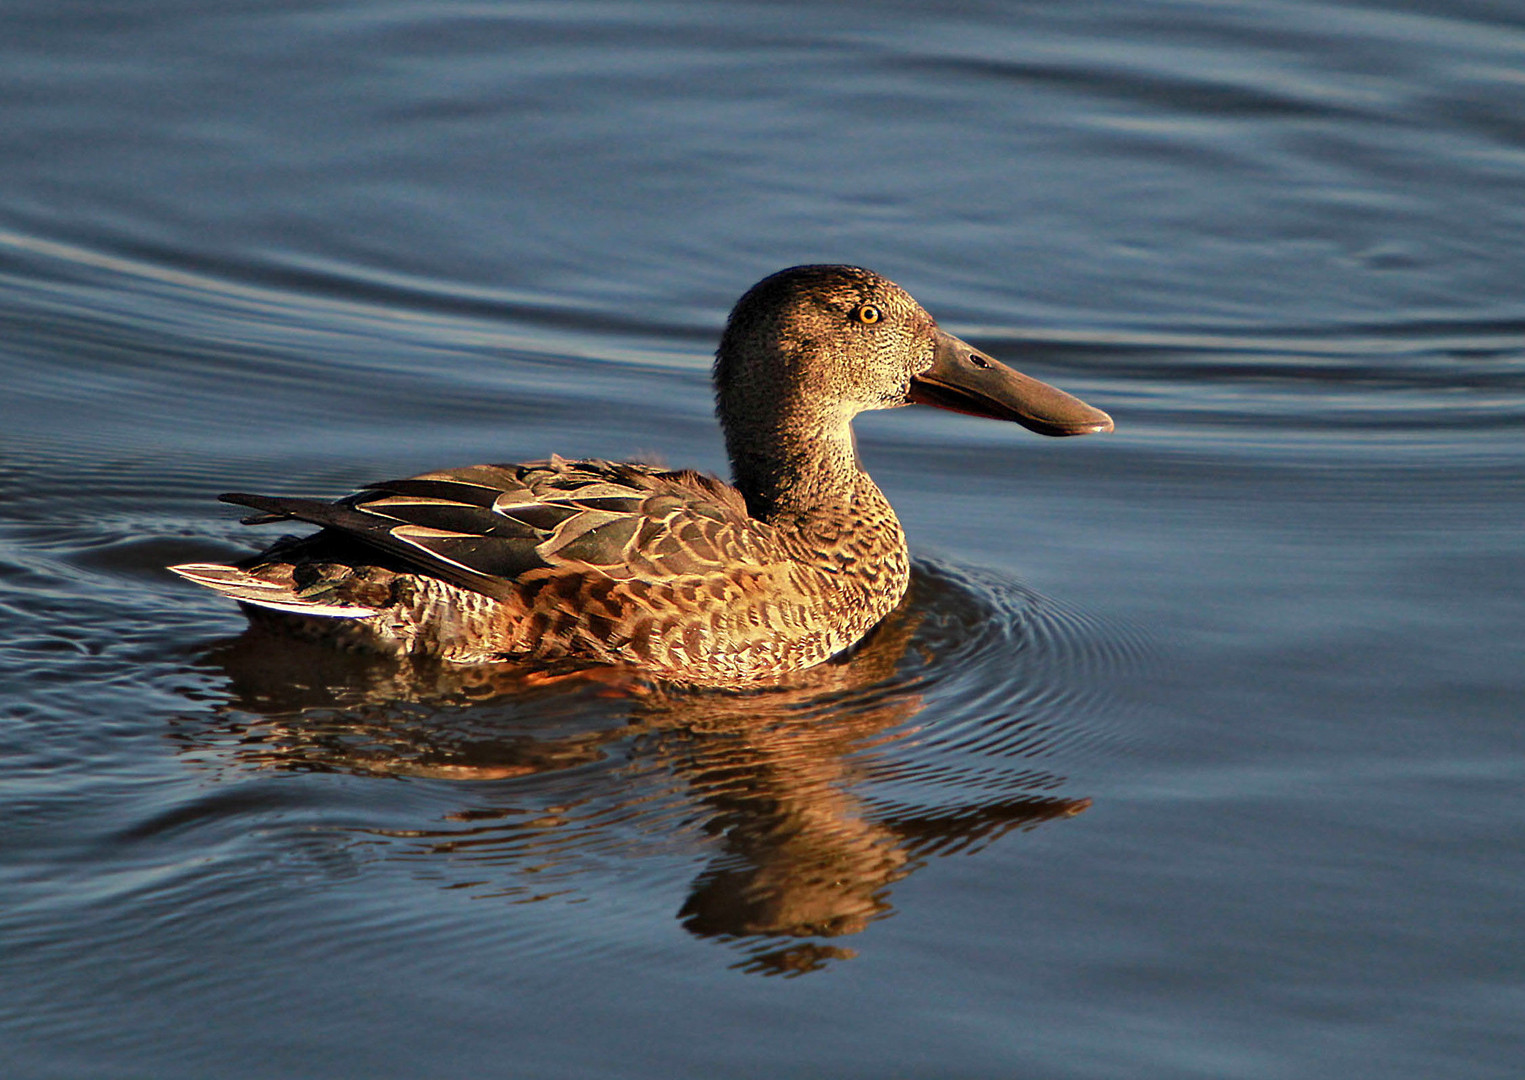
(249, 589)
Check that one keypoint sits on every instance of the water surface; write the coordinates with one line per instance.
(1194, 752)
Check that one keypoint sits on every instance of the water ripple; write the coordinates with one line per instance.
(951, 726)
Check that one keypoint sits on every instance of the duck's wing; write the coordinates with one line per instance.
(484, 527)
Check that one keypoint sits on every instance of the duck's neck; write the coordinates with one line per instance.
(802, 477)
(796, 464)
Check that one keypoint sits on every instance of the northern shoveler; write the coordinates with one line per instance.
(676, 573)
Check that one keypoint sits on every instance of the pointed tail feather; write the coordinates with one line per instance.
(248, 589)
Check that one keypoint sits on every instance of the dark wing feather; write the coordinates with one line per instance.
(369, 529)
(483, 526)
(481, 495)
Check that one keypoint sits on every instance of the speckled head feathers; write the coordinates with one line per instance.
(821, 339)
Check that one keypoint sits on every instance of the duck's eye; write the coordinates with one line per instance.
(868, 314)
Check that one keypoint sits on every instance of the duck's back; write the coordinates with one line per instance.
(582, 560)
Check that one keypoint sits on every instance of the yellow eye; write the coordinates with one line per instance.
(868, 314)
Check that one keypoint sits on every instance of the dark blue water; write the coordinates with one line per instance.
(1195, 752)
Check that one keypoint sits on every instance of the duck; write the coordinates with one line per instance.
(672, 572)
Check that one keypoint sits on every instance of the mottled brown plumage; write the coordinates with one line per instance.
(677, 573)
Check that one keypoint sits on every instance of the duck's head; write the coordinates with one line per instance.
(810, 347)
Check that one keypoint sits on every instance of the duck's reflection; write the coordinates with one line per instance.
(789, 782)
